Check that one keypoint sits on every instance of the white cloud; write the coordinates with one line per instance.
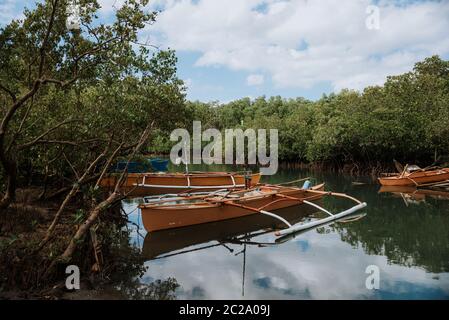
(291, 273)
(302, 43)
(9, 10)
(110, 6)
(255, 80)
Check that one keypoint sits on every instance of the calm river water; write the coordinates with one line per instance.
(405, 236)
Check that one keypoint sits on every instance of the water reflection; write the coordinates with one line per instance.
(410, 245)
(413, 195)
(233, 231)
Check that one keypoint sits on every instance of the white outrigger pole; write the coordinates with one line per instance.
(304, 226)
(308, 225)
(331, 217)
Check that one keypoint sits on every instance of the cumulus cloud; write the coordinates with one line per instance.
(297, 43)
(110, 6)
(302, 43)
(285, 272)
(255, 80)
(9, 10)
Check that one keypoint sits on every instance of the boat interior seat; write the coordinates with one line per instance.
(233, 196)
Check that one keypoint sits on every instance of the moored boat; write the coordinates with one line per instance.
(174, 211)
(154, 183)
(159, 164)
(415, 176)
(166, 241)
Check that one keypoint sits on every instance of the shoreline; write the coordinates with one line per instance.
(353, 168)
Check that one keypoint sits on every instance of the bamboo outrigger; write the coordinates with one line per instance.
(170, 242)
(144, 184)
(174, 211)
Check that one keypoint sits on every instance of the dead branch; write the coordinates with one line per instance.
(71, 166)
(68, 188)
(108, 163)
(113, 198)
(71, 194)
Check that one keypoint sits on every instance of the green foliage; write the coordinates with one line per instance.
(121, 87)
(117, 88)
(79, 216)
(406, 119)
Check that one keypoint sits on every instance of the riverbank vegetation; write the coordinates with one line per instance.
(72, 101)
(406, 119)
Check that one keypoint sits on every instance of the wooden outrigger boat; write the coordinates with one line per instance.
(228, 234)
(174, 211)
(171, 242)
(415, 176)
(144, 184)
(166, 242)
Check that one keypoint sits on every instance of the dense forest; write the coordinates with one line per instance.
(405, 119)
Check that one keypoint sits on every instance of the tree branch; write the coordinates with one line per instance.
(75, 188)
(107, 203)
(45, 41)
(71, 166)
(14, 138)
(64, 142)
(108, 163)
(37, 139)
(11, 94)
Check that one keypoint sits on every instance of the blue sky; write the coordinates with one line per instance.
(210, 83)
(248, 48)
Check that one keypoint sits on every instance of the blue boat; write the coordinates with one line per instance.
(159, 164)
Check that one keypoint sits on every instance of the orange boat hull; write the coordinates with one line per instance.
(416, 178)
(165, 241)
(163, 183)
(155, 218)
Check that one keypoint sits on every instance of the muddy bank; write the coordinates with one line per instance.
(59, 292)
(30, 270)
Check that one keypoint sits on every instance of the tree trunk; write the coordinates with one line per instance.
(50, 229)
(88, 223)
(7, 159)
(10, 168)
(102, 206)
